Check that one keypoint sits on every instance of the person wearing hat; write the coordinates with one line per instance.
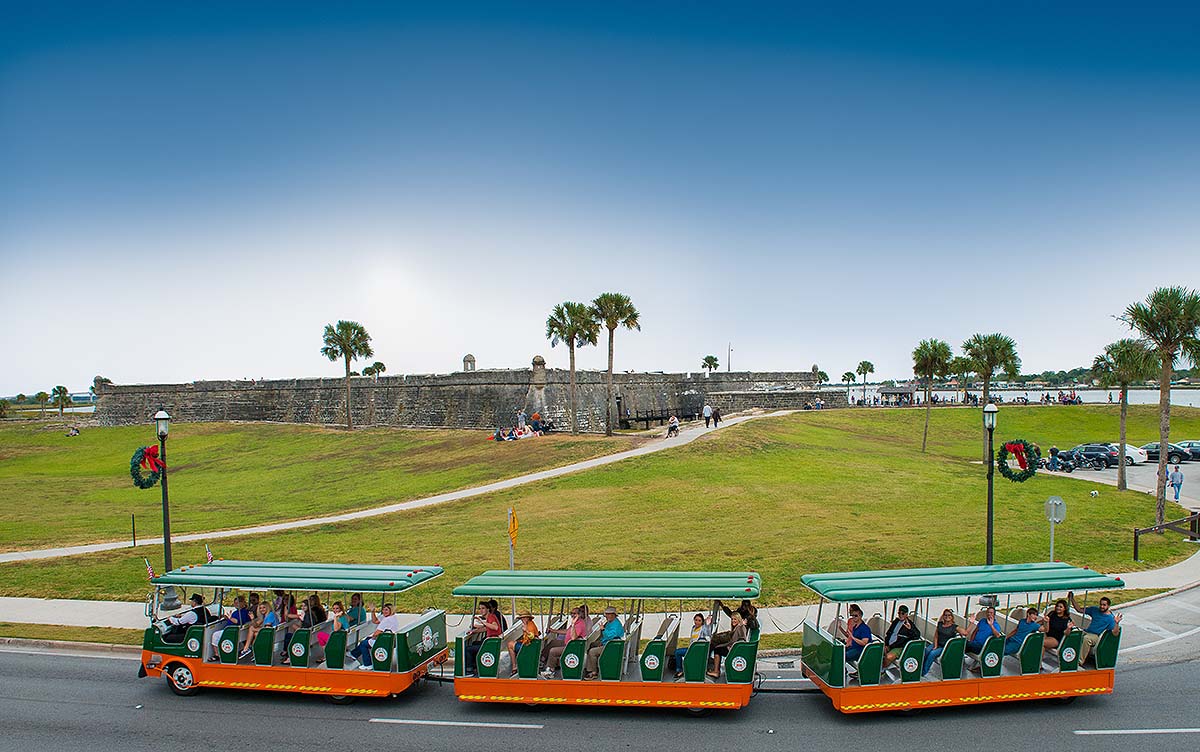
(530, 633)
(177, 625)
(612, 631)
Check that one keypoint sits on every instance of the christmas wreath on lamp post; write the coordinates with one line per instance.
(1024, 453)
(145, 458)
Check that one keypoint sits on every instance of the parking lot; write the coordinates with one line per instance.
(1142, 478)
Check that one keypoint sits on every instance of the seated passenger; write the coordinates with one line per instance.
(747, 609)
(1103, 619)
(984, 630)
(265, 618)
(737, 634)
(238, 615)
(857, 633)
(389, 623)
(947, 630)
(899, 633)
(356, 614)
(1058, 624)
(252, 604)
(535, 422)
(701, 630)
(314, 613)
(177, 626)
(495, 607)
(612, 631)
(485, 624)
(530, 633)
(576, 630)
(1027, 626)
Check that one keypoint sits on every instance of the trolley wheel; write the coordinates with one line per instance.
(340, 699)
(181, 680)
(699, 712)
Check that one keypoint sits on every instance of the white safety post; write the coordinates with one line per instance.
(1056, 512)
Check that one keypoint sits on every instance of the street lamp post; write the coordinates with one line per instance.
(989, 422)
(162, 423)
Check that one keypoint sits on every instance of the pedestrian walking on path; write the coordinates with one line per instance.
(708, 413)
(716, 416)
(1175, 478)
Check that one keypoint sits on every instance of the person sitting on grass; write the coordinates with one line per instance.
(899, 633)
(701, 630)
(1027, 626)
(530, 633)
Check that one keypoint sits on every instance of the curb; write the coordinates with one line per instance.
(89, 647)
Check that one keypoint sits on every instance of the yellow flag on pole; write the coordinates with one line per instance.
(512, 526)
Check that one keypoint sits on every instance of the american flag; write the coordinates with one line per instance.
(208, 557)
(149, 569)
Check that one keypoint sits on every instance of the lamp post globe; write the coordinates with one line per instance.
(162, 426)
(989, 422)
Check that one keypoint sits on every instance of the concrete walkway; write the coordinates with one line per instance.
(687, 435)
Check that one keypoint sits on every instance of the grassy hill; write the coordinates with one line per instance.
(830, 490)
(61, 490)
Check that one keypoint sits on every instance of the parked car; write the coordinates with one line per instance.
(1192, 446)
(1133, 455)
(1175, 453)
(1090, 452)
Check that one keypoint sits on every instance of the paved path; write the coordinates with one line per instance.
(1144, 478)
(687, 435)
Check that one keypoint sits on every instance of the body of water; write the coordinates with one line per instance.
(1185, 397)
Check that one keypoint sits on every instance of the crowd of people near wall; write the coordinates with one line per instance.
(527, 426)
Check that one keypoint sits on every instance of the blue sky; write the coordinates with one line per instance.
(193, 192)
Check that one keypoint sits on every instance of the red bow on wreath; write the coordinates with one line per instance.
(1018, 451)
(151, 462)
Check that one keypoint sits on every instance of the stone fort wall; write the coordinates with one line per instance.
(466, 399)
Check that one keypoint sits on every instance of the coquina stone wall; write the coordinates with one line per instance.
(467, 399)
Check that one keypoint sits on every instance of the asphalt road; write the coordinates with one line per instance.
(1144, 478)
(77, 703)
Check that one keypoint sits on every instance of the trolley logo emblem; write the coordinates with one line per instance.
(226, 646)
(380, 654)
(487, 660)
(193, 645)
(910, 665)
(738, 664)
(571, 661)
(651, 662)
(991, 660)
(427, 637)
(298, 649)
(1068, 654)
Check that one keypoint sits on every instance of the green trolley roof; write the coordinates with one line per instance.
(583, 584)
(373, 578)
(950, 581)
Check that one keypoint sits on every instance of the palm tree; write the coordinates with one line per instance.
(865, 367)
(375, 370)
(42, 398)
(848, 377)
(931, 360)
(1122, 363)
(989, 354)
(710, 363)
(961, 367)
(60, 398)
(349, 341)
(822, 377)
(21, 398)
(612, 309)
(1169, 319)
(4, 404)
(573, 324)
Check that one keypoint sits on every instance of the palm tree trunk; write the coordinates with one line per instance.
(987, 382)
(864, 387)
(608, 406)
(349, 420)
(1121, 485)
(574, 415)
(1164, 430)
(925, 436)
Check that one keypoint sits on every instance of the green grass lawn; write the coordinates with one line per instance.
(815, 491)
(60, 490)
(73, 634)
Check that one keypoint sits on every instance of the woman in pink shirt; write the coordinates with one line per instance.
(576, 630)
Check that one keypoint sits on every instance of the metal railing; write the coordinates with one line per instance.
(1192, 531)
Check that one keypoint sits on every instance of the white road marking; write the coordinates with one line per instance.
(1156, 643)
(1132, 732)
(1186, 606)
(468, 724)
(1148, 626)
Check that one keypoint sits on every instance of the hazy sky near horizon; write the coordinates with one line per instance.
(192, 190)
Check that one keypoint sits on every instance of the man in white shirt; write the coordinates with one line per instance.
(389, 623)
(707, 414)
(177, 625)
